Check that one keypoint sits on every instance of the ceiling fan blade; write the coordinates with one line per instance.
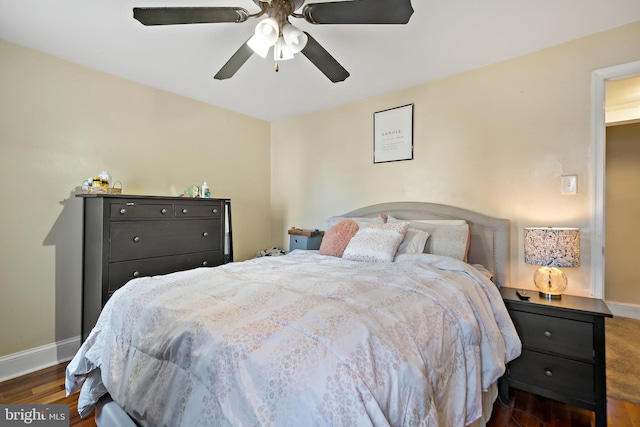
(234, 63)
(359, 12)
(189, 15)
(324, 61)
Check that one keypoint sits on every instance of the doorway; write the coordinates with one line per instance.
(599, 81)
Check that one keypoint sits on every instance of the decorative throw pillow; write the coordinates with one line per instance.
(376, 242)
(414, 242)
(337, 238)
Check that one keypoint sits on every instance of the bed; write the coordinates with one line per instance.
(309, 338)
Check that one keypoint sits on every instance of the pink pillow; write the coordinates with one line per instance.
(337, 238)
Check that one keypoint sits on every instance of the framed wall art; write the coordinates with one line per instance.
(393, 134)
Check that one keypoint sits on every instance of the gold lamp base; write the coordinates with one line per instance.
(550, 282)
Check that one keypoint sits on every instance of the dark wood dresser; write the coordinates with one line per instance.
(563, 350)
(129, 236)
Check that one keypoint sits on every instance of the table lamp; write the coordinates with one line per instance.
(551, 247)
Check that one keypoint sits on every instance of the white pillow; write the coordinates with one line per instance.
(447, 237)
(430, 221)
(375, 220)
(414, 242)
(376, 242)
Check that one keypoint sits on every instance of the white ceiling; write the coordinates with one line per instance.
(443, 37)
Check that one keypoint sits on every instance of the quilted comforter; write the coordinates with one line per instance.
(300, 340)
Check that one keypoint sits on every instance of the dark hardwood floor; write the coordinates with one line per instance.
(523, 409)
(47, 387)
(528, 410)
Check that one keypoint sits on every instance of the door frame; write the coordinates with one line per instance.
(599, 79)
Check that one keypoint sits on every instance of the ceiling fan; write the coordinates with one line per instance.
(276, 31)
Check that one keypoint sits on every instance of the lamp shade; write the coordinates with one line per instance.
(551, 248)
(266, 35)
(295, 39)
(281, 51)
(269, 30)
(259, 45)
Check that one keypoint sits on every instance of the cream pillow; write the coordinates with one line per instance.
(376, 242)
(430, 221)
(448, 240)
(380, 219)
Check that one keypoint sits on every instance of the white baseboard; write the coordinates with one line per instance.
(34, 359)
(624, 310)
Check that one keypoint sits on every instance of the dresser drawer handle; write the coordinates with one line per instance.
(215, 211)
(136, 274)
(205, 234)
(163, 211)
(548, 373)
(204, 263)
(136, 239)
(123, 211)
(547, 334)
(184, 211)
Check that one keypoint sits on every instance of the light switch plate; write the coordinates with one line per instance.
(569, 184)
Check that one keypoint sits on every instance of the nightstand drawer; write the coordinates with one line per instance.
(555, 335)
(554, 373)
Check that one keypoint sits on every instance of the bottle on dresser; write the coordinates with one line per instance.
(204, 191)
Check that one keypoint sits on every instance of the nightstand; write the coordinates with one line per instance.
(304, 239)
(563, 350)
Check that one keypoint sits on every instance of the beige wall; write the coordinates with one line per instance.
(622, 279)
(59, 124)
(495, 140)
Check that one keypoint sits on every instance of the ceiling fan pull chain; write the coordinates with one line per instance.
(277, 67)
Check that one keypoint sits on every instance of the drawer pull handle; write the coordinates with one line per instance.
(163, 211)
(123, 211)
(547, 334)
(548, 373)
(136, 239)
(204, 263)
(136, 274)
(215, 211)
(184, 211)
(205, 234)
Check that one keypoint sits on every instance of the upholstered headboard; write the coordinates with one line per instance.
(489, 236)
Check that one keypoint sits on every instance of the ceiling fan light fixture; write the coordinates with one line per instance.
(282, 52)
(269, 30)
(295, 39)
(259, 46)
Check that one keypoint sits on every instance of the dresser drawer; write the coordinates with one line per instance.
(144, 239)
(554, 373)
(133, 210)
(121, 272)
(555, 335)
(198, 210)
